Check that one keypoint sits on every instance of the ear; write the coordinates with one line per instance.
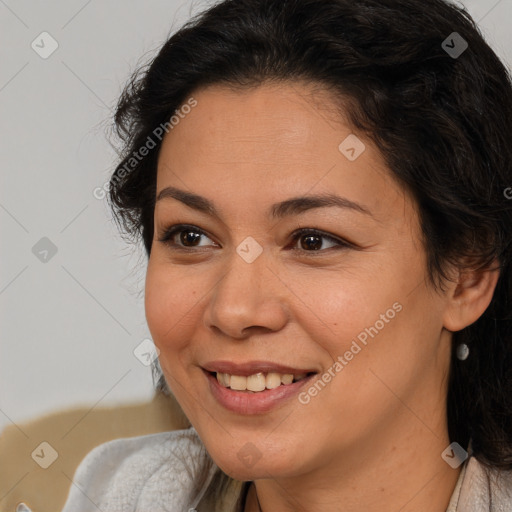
(470, 296)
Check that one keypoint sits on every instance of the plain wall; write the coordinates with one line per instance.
(69, 325)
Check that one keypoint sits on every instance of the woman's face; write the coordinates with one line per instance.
(239, 291)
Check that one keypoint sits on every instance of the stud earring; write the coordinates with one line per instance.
(462, 352)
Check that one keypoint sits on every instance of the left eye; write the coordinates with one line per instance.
(312, 239)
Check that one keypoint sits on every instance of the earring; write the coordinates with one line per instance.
(462, 352)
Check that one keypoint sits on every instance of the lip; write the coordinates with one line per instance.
(252, 367)
(248, 403)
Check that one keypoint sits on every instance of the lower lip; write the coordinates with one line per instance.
(245, 402)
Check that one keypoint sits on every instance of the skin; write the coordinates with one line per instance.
(372, 438)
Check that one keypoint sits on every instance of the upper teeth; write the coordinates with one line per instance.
(258, 381)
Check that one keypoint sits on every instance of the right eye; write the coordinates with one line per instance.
(188, 237)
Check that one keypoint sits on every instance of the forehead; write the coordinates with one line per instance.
(271, 142)
(264, 120)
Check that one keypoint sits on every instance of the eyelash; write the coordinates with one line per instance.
(170, 232)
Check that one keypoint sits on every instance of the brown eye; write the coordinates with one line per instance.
(188, 236)
(312, 240)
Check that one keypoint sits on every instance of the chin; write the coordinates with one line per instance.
(249, 463)
(243, 473)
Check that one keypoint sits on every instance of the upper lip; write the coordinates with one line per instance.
(252, 367)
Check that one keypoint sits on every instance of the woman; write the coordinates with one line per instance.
(320, 187)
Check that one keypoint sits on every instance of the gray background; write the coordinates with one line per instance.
(69, 325)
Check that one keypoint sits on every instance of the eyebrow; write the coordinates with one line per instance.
(293, 206)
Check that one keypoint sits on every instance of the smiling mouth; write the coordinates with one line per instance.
(259, 381)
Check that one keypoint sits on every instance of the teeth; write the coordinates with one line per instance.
(258, 381)
(286, 378)
(238, 382)
(223, 379)
(273, 380)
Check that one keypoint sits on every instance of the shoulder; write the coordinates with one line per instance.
(156, 471)
(500, 487)
(485, 489)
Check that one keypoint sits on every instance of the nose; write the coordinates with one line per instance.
(248, 298)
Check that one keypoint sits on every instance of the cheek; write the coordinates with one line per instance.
(169, 301)
(335, 306)
(169, 306)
